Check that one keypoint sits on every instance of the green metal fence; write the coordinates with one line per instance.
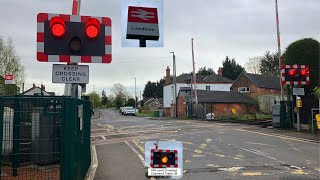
(44, 137)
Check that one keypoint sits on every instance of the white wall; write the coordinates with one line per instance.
(168, 90)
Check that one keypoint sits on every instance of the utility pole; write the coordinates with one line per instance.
(135, 94)
(194, 75)
(140, 100)
(279, 48)
(174, 85)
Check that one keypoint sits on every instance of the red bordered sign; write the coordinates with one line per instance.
(152, 165)
(295, 66)
(43, 57)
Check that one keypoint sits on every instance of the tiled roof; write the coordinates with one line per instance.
(205, 96)
(263, 81)
(213, 78)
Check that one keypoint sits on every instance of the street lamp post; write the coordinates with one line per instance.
(174, 85)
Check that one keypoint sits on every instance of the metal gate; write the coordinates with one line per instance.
(44, 137)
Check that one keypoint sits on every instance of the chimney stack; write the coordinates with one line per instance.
(33, 85)
(220, 71)
(168, 75)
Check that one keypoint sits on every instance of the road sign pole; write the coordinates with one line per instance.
(143, 42)
(73, 86)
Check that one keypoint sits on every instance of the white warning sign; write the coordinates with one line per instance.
(68, 74)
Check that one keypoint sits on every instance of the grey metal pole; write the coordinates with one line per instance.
(279, 48)
(174, 85)
(135, 94)
(298, 120)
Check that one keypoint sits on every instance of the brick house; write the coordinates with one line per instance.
(218, 102)
(254, 85)
(213, 82)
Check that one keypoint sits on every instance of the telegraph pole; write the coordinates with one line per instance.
(194, 75)
(135, 94)
(279, 48)
(174, 85)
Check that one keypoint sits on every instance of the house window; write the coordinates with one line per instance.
(207, 87)
(243, 89)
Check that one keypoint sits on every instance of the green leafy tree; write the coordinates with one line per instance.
(104, 98)
(95, 99)
(205, 71)
(131, 102)
(269, 64)
(120, 94)
(10, 62)
(305, 52)
(231, 69)
(154, 89)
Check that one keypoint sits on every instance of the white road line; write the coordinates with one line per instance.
(281, 136)
(262, 154)
(136, 152)
(104, 138)
(94, 164)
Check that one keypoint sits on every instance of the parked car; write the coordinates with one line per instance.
(129, 111)
(122, 109)
(210, 116)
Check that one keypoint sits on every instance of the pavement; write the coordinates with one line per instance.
(211, 150)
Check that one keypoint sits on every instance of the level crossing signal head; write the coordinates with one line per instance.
(295, 74)
(73, 39)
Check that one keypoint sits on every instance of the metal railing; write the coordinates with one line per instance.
(44, 137)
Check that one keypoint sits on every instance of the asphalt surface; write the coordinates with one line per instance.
(211, 150)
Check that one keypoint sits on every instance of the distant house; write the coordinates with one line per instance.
(153, 103)
(35, 90)
(213, 82)
(217, 102)
(255, 85)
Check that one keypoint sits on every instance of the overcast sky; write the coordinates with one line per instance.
(236, 28)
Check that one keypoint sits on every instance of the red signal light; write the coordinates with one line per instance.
(303, 72)
(291, 72)
(58, 27)
(92, 28)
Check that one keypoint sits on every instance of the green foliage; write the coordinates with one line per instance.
(120, 95)
(269, 64)
(154, 89)
(231, 69)
(95, 99)
(7, 89)
(104, 98)
(316, 91)
(305, 52)
(10, 62)
(131, 102)
(205, 71)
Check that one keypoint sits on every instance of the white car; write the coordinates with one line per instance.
(121, 110)
(210, 116)
(129, 111)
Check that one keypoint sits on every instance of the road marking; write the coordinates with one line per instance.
(220, 155)
(231, 169)
(281, 136)
(212, 165)
(184, 142)
(94, 164)
(261, 144)
(140, 147)
(252, 174)
(187, 161)
(136, 152)
(104, 138)
(262, 154)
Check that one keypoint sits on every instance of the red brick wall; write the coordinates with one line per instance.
(244, 81)
(166, 112)
(181, 108)
(218, 108)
